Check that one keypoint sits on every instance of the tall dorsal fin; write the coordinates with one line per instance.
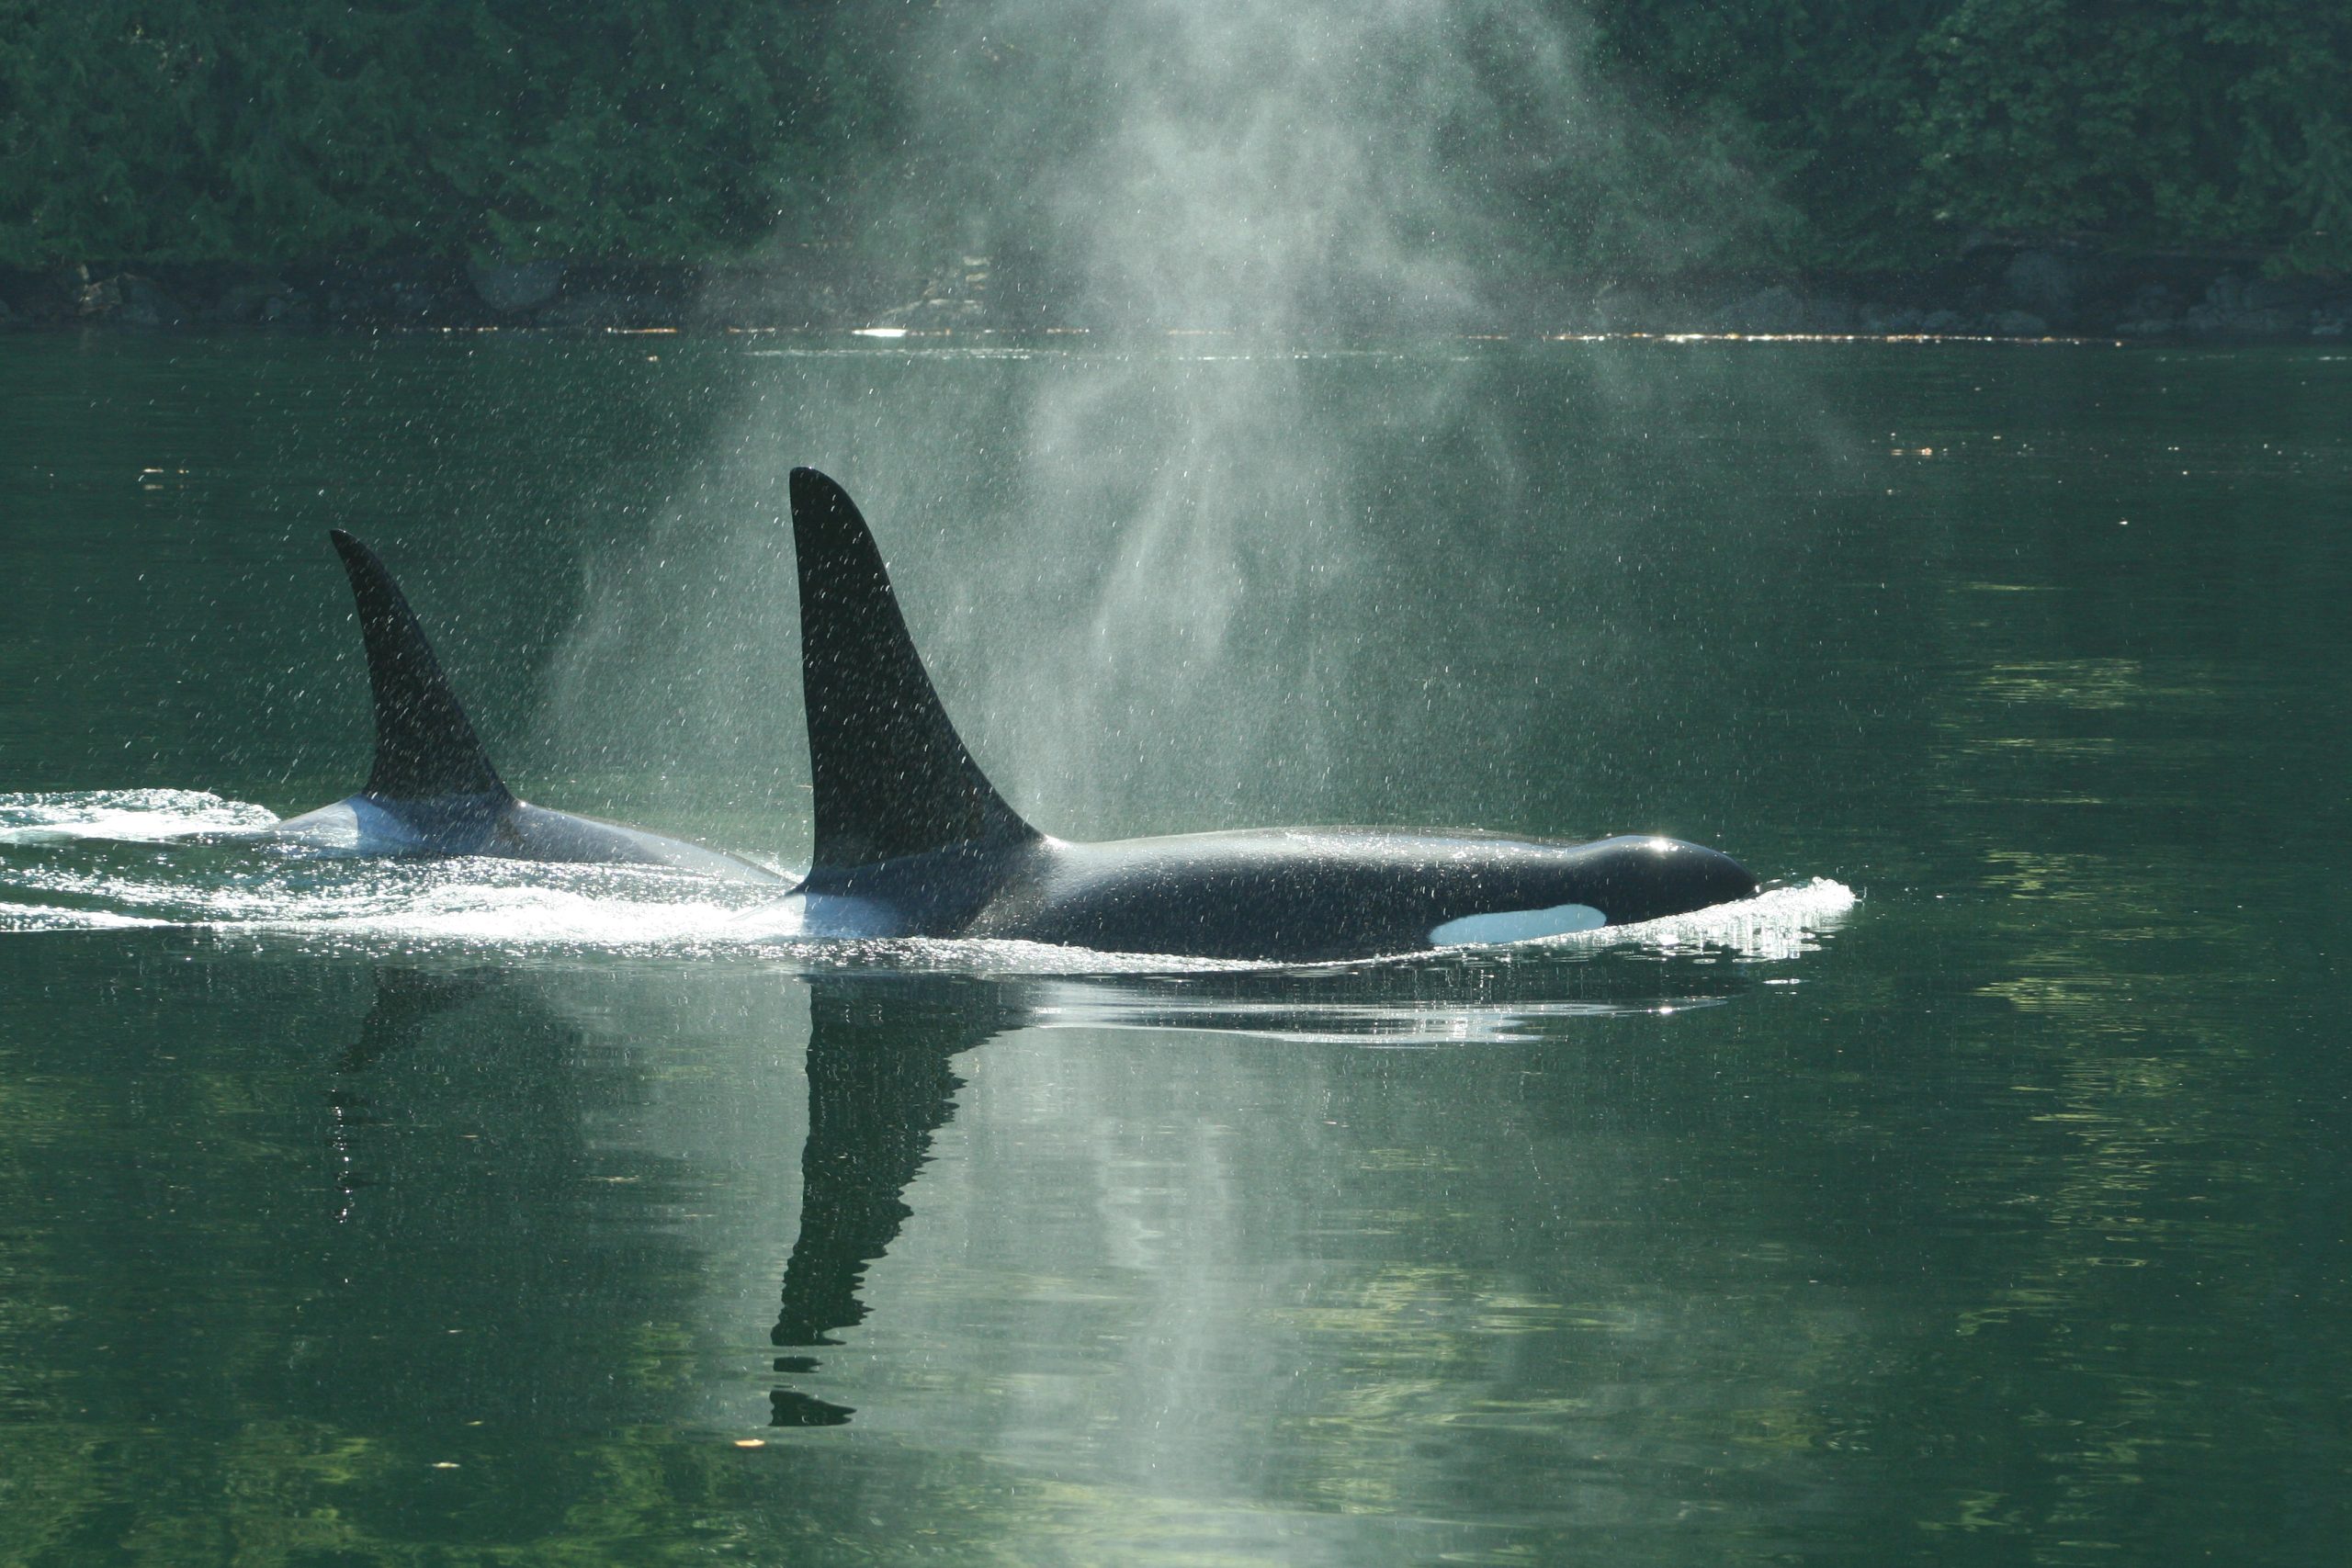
(423, 745)
(891, 776)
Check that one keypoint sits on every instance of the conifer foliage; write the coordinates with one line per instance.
(185, 130)
(662, 132)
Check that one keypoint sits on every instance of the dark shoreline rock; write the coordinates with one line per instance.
(1994, 290)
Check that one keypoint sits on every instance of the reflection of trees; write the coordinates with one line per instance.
(265, 1311)
(2116, 1137)
(492, 1277)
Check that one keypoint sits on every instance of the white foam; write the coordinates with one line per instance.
(49, 917)
(1772, 926)
(126, 815)
(490, 915)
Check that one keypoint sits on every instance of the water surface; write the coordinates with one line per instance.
(457, 1212)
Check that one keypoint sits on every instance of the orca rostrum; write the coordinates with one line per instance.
(432, 790)
(911, 840)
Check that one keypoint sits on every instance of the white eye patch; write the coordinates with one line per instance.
(1517, 925)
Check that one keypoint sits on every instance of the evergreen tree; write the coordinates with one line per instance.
(1841, 134)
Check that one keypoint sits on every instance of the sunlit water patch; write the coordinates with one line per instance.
(126, 815)
(1351, 1008)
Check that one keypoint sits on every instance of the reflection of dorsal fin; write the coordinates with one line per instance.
(890, 777)
(423, 745)
(881, 1084)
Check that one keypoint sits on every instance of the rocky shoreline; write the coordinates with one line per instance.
(1994, 290)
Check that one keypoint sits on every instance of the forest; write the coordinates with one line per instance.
(1840, 136)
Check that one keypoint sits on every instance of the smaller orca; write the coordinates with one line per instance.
(432, 790)
(911, 840)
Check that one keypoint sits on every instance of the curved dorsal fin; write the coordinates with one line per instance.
(423, 745)
(891, 777)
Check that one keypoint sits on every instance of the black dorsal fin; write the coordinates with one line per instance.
(891, 777)
(423, 745)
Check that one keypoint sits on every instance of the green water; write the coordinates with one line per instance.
(472, 1214)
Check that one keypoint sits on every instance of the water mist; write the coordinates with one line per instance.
(1141, 569)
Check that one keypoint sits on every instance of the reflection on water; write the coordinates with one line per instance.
(396, 1213)
(534, 1205)
(533, 1211)
(880, 1083)
(1136, 1260)
(879, 1086)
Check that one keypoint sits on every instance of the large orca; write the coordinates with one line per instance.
(433, 791)
(911, 840)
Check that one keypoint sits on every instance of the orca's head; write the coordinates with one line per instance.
(1646, 878)
(1613, 882)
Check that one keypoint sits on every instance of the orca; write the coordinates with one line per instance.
(912, 841)
(433, 791)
